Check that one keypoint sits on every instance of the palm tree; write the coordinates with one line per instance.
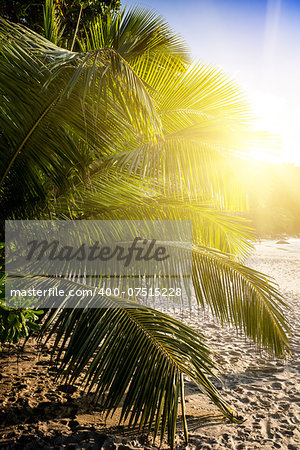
(130, 129)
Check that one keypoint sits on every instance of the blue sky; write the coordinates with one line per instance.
(258, 43)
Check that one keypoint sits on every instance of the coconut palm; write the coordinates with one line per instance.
(130, 129)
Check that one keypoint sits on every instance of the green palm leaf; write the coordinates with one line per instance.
(52, 22)
(138, 354)
(135, 354)
(54, 101)
(134, 131)
(134, 33)
(243, 297)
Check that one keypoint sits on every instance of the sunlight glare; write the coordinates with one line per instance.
(277, 116)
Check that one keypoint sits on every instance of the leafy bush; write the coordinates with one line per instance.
(15, 323)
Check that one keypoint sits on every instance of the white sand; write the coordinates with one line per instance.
(36, 413)
(265, 391)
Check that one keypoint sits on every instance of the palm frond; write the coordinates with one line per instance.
(78, 107)
(133, 33)
(123, 351)
(236, 294)
(206, 122)
(243, 297)
(52, 23)
(134, 131)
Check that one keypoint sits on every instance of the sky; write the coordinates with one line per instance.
(258, 44)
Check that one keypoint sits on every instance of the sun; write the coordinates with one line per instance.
(276, 115)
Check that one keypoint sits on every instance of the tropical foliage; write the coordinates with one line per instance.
(129, 128)
(33, 13)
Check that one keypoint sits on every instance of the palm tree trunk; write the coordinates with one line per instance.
(76, 30)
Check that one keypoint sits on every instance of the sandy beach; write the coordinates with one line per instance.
(37, 412)
(265, 391)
